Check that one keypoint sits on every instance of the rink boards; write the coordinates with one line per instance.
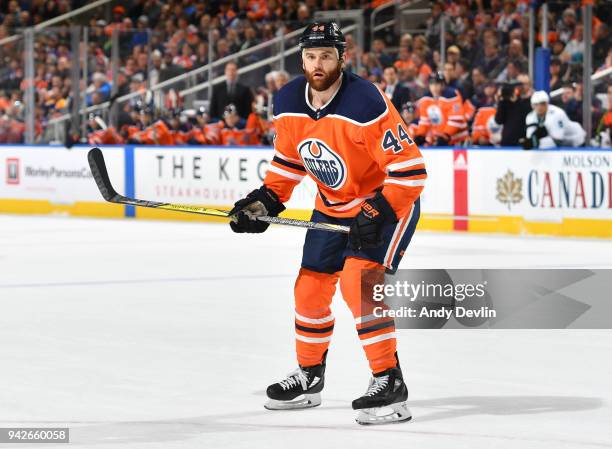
(565, 192)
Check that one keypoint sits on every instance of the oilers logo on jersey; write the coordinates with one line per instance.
(435, 114)
(323, 163)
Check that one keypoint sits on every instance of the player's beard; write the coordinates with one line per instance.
(321, 84)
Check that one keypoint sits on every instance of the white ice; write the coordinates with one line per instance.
(148, 335)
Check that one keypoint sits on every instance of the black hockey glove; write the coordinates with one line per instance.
(526, 143)
(419, 140)
(541, 132)
(262, 201)
(442, 141)
(366, 229)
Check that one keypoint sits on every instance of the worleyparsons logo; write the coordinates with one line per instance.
(323, 163)
(12, 171)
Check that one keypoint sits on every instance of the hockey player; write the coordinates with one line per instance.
(408, 114)
(345, 134)
(548, 126)
(441, 115)
(485, 130)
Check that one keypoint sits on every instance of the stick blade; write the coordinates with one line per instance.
(100, 174)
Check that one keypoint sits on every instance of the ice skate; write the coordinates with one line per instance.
(300, 389)
(385, 400)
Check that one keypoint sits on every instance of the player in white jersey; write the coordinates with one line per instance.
(548, 126)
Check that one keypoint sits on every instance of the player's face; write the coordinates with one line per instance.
(321, 67)
(436, 88)
(541, 108)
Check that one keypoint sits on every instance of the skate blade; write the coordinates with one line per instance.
(301, 402)
(376, 416)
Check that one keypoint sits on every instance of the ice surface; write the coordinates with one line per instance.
(147, 335)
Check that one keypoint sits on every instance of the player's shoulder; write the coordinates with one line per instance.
(360, 100)
(531, 117)
(486, 110)
(450, 93)
(555, 110)
(290, 98)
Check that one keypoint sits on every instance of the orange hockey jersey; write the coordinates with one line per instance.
(442, 115)
(485, 127)
(354, 146)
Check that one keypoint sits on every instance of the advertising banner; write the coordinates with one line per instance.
(54, 174)
(541, 186)
(212, 176)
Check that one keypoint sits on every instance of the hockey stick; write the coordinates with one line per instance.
(100, 175)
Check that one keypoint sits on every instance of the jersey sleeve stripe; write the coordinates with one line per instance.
(286, 158)
(408, 183)
(407, 174)
(280, 161)
(405, 164)
(285, 173)
(351, 204)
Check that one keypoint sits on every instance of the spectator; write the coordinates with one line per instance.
(602, 45)
(231, 92)
(397, 93)
(99, 89)
(449, 74)
(462, 77)
(568, 102)
(433, 24)
(508, 19)
(479, 81)
(469, 46)
(141, 36)
(513, 106)
(453, 54)
(510, 73)
(548, 125)
(380, 52)
(403, 62)
(603, 131)
(281, 77)
(566, 25)
(575, 47)
(491, 63)
(515, 53)
(555, 74)
(169, 68)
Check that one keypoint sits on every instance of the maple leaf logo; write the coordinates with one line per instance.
(509, 189)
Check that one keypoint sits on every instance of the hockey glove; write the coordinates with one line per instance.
(442, 141)
(419, 140)
(262, 201)
(366, 229)
(541, 132)
(526, 143)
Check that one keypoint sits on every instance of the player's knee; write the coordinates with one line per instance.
(314, 291)
(356, 283)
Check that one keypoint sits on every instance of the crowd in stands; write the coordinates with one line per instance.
(484, 77)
